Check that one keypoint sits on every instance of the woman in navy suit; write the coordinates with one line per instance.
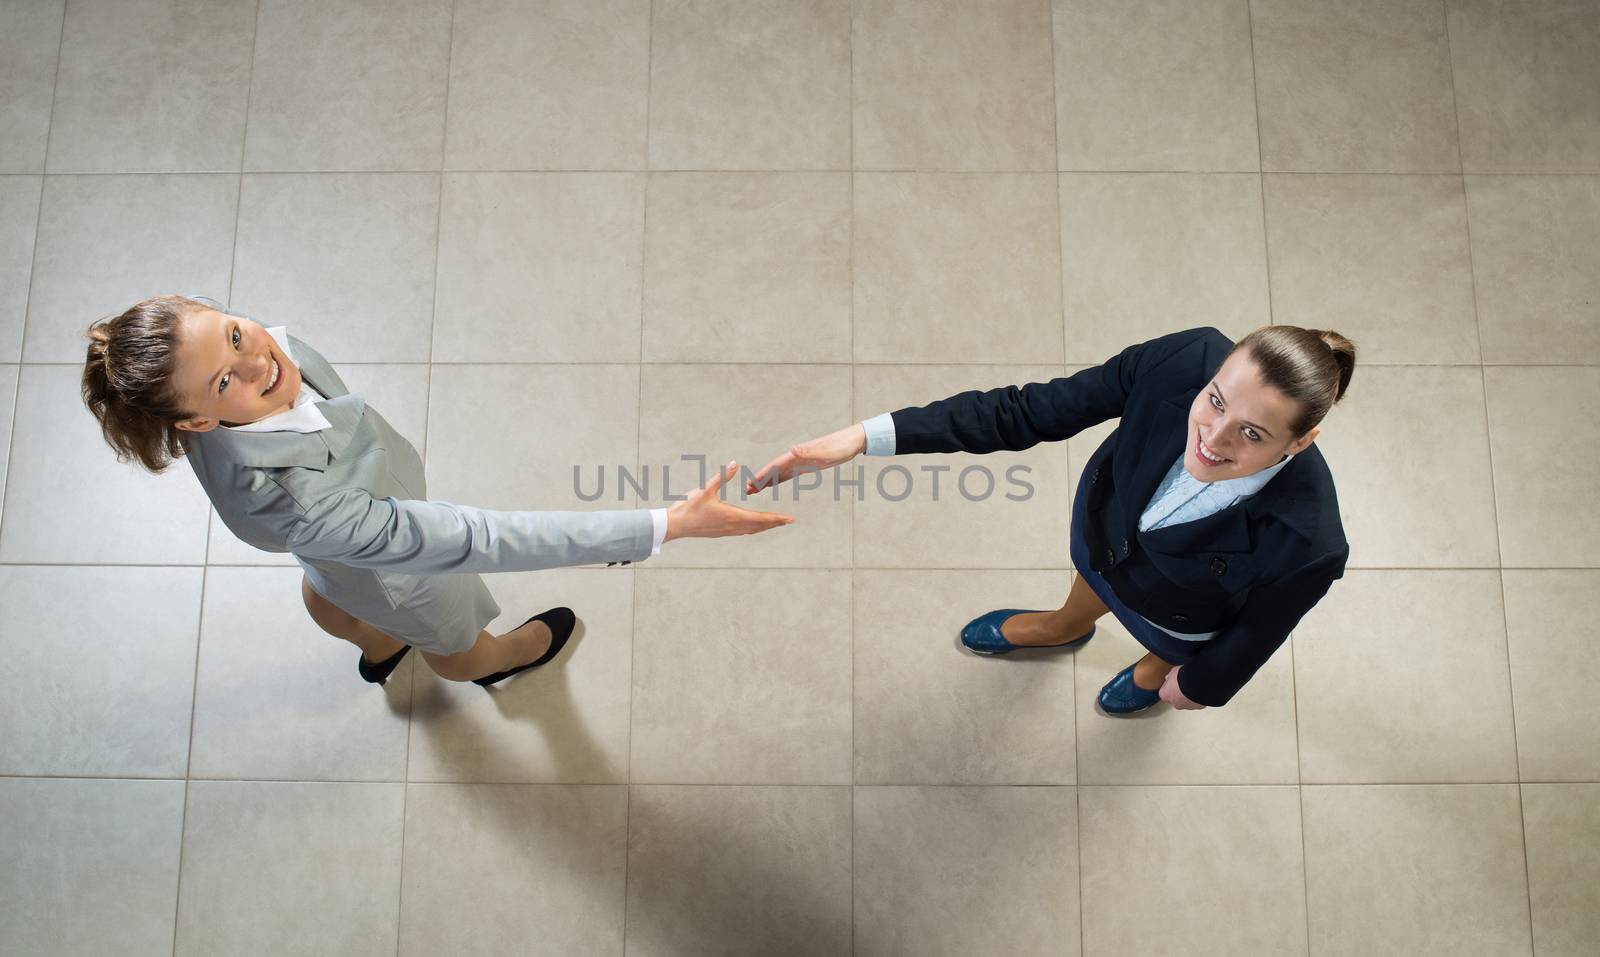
(1206, 522)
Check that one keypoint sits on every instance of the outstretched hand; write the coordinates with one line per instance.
(705, 515)
(825, 452)
(1172, 694)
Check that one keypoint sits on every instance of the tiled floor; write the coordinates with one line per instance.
(544, 233)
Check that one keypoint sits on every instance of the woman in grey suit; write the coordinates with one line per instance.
(293, 462)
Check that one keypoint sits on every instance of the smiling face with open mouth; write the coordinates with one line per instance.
(1238, 425)
(230, 371)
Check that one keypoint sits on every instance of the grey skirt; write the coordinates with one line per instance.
(439, 614)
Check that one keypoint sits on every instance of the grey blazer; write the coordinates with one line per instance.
(349, 502)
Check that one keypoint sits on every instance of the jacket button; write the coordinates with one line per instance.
(1096, 476)
(1180, 618)
(1124, 547)
(1218, 565)
(1111, 557)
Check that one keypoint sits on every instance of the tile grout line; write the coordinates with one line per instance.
(638, 453)
(855, 393)
(1374, 364)
(427, 411)
(1266, 261)
(205, 572)
(33, 260)
(1488, 438)
(600, 783)
(625, 170)
(1061, 285)
(792, 568)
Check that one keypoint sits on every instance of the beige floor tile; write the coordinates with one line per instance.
(1414, 489)
(1164, 86)
(1145, 254)
(106, 242)
(225, 548)
(1382, 259)
(748, 267)
(1562, 823)
(566, 721)
(1249, 741)
(278, 698)
(348, 86)
(957, 510)
(19, 220)
(277, 868)
(156, 85)
(29, 46)
(1410, 870)
(1537, 281)
(347, 261)
(110, 512)
(953, 85)
(1361, 86)
(569, 95)
(499, 869)
(957, 268)
(771, 870)
(124, 709)
(539, 267)
(927, 711)
(1400, 676)
(742, 677)
(91, 866)
(736, 84)
(1525, 79)
(1197, 870)
(1553, 668)
(544, 421)
(398, 392)
(1546, 444)
(966, 871)
(748, 414)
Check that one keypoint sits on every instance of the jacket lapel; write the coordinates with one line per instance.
(316, 370)
(1163, 443)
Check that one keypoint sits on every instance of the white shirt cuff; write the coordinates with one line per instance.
(658, 518)
(880, 434)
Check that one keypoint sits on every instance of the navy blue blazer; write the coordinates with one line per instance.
(1250, 571)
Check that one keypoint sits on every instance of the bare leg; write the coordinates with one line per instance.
(1150, 671)
(491, 654)
(1072, 620)
(375, 645)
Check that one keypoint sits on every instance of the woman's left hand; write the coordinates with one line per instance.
(1173, 695)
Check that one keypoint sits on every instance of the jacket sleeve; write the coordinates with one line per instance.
(1014, 418)
(431, 538)
(1232, 658)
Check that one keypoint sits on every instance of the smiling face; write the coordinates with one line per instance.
(1238, 425)
(230, 371)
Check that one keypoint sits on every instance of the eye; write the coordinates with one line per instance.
(1252, 435)
(236, 337)
(1216, 403)
(222, 384)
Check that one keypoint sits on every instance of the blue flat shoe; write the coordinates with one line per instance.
(982, 634)
(1121, 696)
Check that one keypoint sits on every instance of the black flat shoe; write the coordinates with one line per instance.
(560, 621)
(380, 672)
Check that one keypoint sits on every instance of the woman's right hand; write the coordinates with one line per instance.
(705, 515)
(825, 452)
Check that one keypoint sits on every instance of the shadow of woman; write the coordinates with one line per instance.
(753, 875)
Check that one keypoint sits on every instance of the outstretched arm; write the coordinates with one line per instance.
(432, 538)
